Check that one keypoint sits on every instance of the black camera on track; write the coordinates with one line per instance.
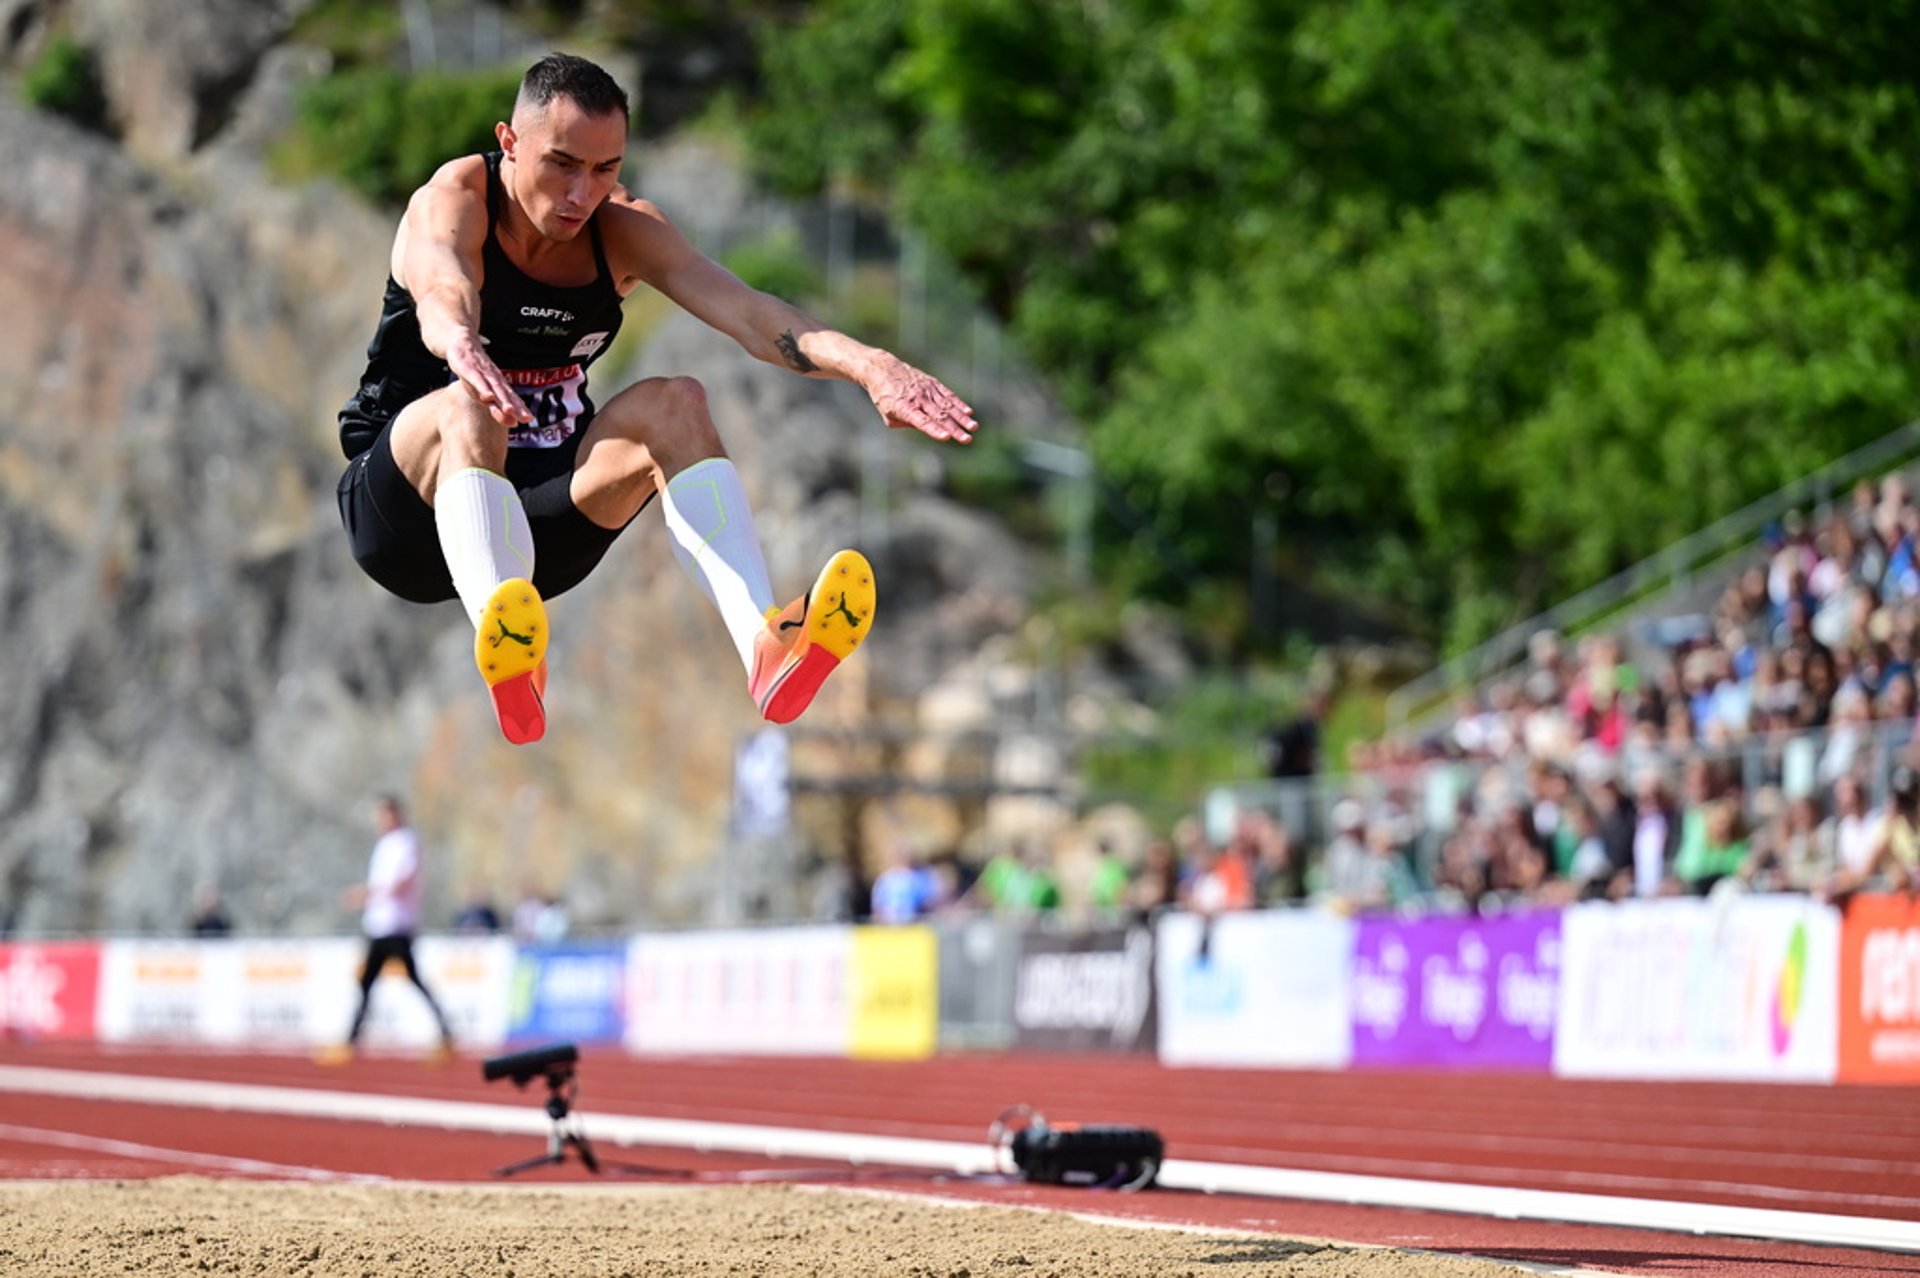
(553, 1063)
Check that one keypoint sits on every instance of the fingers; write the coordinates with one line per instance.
(925, 405)
(486, 383)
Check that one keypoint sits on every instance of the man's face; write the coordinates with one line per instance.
(564, 163)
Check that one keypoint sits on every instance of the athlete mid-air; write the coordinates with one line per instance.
(479, 468)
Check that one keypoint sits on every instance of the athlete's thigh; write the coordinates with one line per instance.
(567, 544)
(638, 440)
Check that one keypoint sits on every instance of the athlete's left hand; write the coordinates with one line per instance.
(912, 400)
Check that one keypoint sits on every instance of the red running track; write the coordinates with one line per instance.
(1845, 1151)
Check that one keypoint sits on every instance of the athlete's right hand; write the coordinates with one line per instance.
(485, 382)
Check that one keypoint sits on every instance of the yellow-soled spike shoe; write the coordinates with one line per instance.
(511, 650)
(806, 641)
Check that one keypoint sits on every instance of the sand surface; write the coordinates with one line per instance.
(196, 1226)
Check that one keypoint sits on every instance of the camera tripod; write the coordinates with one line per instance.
(565, 1134)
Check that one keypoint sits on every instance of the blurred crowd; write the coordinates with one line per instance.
(1764, 741)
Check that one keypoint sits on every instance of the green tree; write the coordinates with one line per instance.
(1496, 297)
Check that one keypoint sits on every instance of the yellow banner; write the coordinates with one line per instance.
(896, 993)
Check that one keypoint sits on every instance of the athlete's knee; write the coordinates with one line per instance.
(686, 433)
(685, 397)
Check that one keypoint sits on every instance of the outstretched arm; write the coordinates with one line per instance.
(436, 258)
(777, 332)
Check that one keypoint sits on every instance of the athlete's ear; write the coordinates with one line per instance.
(504, 132)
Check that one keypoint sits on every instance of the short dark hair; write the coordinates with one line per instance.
(563, 75)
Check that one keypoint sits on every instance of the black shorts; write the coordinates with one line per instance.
(391, 528)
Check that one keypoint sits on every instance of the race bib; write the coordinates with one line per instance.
(555, 398)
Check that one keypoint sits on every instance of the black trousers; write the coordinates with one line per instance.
(380, 950)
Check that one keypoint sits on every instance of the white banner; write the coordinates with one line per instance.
(1263, 988)
(298, 994)
(1741, 988)
(782, 992)
(165, 991)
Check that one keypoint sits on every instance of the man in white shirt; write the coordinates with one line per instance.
(389, 904)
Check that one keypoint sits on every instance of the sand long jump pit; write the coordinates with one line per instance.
(189, 1225)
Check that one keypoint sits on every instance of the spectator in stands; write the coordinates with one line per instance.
(1547, 732)
(1804, 853)
(1380, 877)
(1552, 791)
(1847, 734)
(1468, 735)
(1891, 860)
(476, 915)
(210, 912)
(1278, 877)
(1461, 876)
(1519, 867)
(1018, 880)
(1850, 833)
(1292, 748)
(1895, 705)
(1819, 681)
(1157, 886)
(906, 891)
(1614, 818)
(1587, 867)
(540, 918)
(1107, 884)
(1597, 701)
(1219, 878)
(1722, 847)
(1681, 736)
(1790, 850)
(1656, 839)
(1343, 871)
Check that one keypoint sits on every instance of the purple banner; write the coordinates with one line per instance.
(1462, 992)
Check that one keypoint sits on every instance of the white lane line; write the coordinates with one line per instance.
(180, 1157)
(976, 1158)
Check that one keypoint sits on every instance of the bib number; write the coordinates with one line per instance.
(555, 397)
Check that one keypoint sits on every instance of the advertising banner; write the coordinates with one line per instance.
(1880, 990)
(781, 991)
(1742, 988)
(573, 992)
(896, 993)
(165, 991)
(279, 993)
(1085, 991)
(49, 990)
(1265, 988)
(1477, 993)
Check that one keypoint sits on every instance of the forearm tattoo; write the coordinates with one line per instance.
(791, 352)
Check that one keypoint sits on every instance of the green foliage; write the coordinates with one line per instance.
(777, 264)
(65, 80)
(384, 132)
(1502, 296)
(353, 32)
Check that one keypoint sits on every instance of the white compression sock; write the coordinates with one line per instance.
(483, 534)
(714, 540)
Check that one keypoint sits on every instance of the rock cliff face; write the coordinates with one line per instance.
(200, 686)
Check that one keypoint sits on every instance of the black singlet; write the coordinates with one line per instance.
(542, 336)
